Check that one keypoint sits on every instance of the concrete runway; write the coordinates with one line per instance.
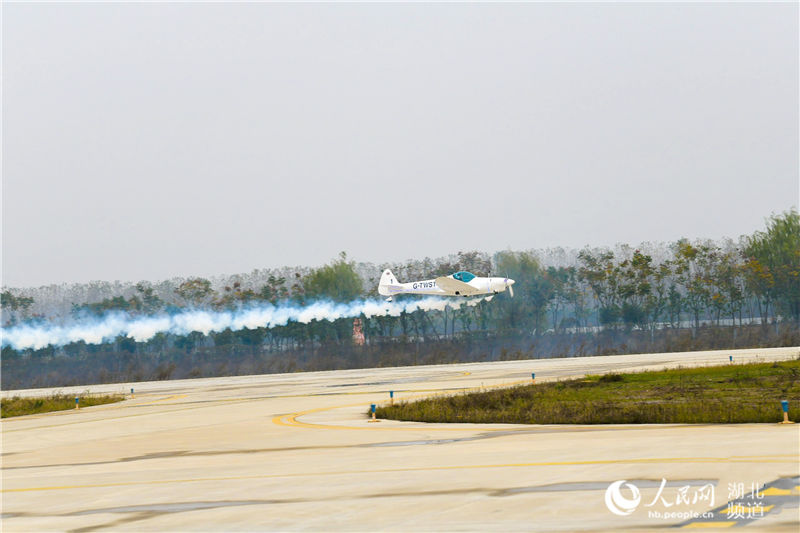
(296, 452)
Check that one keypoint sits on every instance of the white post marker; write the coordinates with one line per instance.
(372, 408)
(785, 407)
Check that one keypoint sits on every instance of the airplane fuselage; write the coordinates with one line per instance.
(458, 284)
(429, 286)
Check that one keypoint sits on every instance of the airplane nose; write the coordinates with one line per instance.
(510, 281)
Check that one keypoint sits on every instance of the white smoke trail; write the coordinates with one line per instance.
(143, 328)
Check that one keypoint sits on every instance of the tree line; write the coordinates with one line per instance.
(606, 301)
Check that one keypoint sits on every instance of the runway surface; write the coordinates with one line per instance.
(296, 452)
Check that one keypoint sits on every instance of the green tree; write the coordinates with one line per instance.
(559, 278)
(674, 304)
(658, 299)
(235, 295)
(275, 290)
(337, 281)
(729, 282)
(533, 292)
(760, 284)
(602, 275)
(195, 291)
(16, 307)
(578, 295)
(694, 268)
(777, 251)
(150, 301)
(634, 278)
(476, 262)
(116, 303)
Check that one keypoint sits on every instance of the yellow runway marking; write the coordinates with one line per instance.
(127, 404)
(173, 397)
(774, 491)
(734, 459)
(290, 420)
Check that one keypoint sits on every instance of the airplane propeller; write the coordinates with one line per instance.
(510, 288)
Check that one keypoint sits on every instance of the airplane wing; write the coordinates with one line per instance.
(453, 285)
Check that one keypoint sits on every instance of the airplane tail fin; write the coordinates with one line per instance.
(387, 280)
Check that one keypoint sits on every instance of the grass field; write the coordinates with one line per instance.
(719, 394)
(17, 406)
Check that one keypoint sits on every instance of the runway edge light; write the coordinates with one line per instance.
(785, 407)
(77, 405)
(533, 376)
(372, 408)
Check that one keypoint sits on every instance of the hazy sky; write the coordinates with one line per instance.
(145, 141)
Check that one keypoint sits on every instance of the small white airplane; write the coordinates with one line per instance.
(459, 284)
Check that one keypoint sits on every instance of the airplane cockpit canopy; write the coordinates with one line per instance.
(464, 276)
